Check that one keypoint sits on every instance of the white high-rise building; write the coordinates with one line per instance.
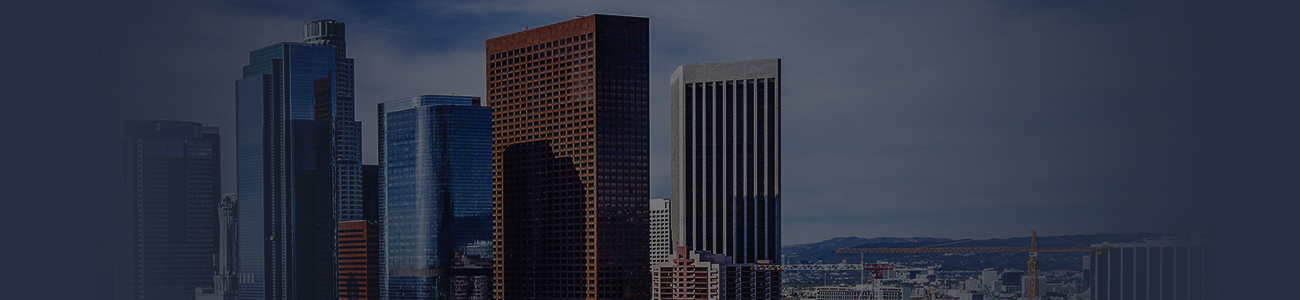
(1164, 268)
(726, 158)
(989, 277)
(660, 241)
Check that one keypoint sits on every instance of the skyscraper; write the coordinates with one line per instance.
(571, 159)
(169, 223)
(1164, 268)
(435, 164)
(726, 160)
(341, 111)
(299, 173)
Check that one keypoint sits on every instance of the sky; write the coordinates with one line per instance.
(963, 119)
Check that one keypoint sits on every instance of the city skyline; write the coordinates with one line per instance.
(937, 153)
(922, 119)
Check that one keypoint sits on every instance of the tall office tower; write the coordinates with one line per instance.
(299, 172)
(169, 217)
(346, 130)
(660, 242)
(726, 160)
(571, 159)
(358, 260)
(435, 164)
(223, 282)
(1165, 268)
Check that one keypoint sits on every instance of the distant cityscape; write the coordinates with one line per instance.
(540, 189)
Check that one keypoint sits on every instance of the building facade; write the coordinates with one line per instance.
(299, 165)
(660, 242)
(1013, 281)
(863, 292)
(726, 158)
(358, 260)
(706, 275)
(989, 278)
(1165, 268)
(571, 159)
(168, 222)
(435, 164)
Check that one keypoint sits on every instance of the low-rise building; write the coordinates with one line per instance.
(863, 292)
(706, 275)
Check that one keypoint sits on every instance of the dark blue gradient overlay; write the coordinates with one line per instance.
(58, 143)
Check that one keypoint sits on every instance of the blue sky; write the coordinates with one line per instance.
(958, 119)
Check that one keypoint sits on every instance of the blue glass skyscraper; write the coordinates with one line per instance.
(299, 169)
(168, 221)
(435, 160)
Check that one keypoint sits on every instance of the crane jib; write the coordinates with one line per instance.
(1032, 289)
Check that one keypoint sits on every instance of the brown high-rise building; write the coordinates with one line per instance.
(571, 159)
(358, 260)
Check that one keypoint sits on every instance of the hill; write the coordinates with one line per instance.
(824, 251)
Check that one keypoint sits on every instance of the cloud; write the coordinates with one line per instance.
(964, 119)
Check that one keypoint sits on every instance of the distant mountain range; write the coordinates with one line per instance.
(824, 251)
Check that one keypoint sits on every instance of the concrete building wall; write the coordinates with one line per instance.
(660, 240)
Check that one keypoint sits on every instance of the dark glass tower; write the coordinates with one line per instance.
(726, 162)
(169, 216)
(371, 209)
(435, 161)
(571, 147)
(348, 194)
(299, 172)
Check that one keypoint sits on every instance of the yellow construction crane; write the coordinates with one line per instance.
(1031, 292)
